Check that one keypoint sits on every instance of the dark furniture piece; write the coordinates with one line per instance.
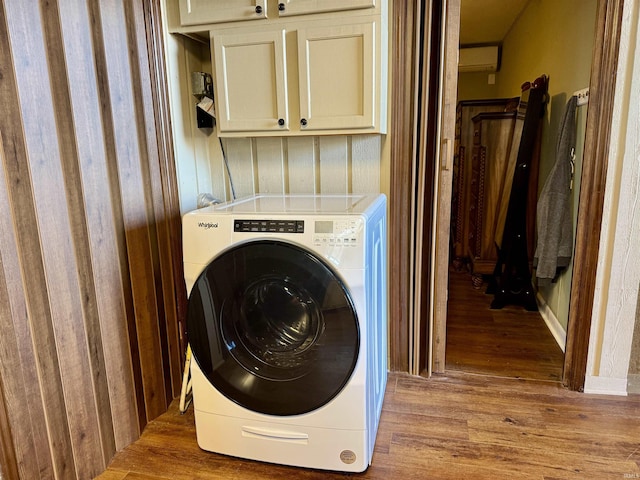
(511, 280)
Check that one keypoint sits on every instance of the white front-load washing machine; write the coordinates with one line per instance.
(287, 322)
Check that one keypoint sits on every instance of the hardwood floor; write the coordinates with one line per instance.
(499, 412)
(448, 427)
(511, 342)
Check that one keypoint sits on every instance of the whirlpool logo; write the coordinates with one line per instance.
(207, 225)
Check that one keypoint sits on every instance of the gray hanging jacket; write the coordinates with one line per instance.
(554, 221)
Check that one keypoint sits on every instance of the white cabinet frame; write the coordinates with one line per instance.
(337, 77)
(198, 12)
(303, 7)
(251, 79)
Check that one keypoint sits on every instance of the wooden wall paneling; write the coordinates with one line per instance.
(106, 324)
(442, 214)
(8, 461)
(123, 121)
(241, 160)
(334, 165)
(23, 446)
(66, 335)
(173, 271)
(160, 214)
(90, 286)
(301, 163)
(64, 34)
(271, 165)
(365, 163)
(426, 182)
(112, 183)
(402, 65)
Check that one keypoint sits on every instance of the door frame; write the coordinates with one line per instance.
(409, 290)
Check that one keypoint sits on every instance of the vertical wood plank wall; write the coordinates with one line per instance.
(329, 165)
(89, 347)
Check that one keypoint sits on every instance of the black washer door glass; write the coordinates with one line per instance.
(273, 328)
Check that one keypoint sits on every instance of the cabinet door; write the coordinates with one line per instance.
(198, 12)
(337, 77)
(251, 88)
(302, 7)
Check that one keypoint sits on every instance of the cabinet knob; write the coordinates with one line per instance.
(281, 7)
(281, 122)
(303, 122)
(259, 9)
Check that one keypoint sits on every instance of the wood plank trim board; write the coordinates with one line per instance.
(448, 82)
(171, 223)
(403, 27)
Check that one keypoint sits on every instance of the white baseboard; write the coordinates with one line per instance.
(605, 385)
(554, 326)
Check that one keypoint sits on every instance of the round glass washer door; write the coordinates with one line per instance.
(273, 328)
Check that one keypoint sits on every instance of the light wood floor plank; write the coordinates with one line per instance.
(509, 342)
(499, 412)
(448, 427)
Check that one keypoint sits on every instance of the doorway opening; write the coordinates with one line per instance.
(418, 343)
(511, 341)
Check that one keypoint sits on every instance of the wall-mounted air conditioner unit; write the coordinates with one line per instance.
(478, 59)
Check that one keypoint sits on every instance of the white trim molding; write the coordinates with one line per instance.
(618, 273)
(554, 326)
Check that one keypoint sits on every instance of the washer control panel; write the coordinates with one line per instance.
(272, 226)
(337, 232)
(340, 232)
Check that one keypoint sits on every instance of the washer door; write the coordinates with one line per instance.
(273, 328)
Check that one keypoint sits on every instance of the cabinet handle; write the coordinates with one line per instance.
(259, 9)
(303, 122)
(281, 122)
(281, 7)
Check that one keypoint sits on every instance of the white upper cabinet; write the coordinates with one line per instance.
(337, 77)
(303, 78)
(199, 12)
(303, 7)
(251, 81)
